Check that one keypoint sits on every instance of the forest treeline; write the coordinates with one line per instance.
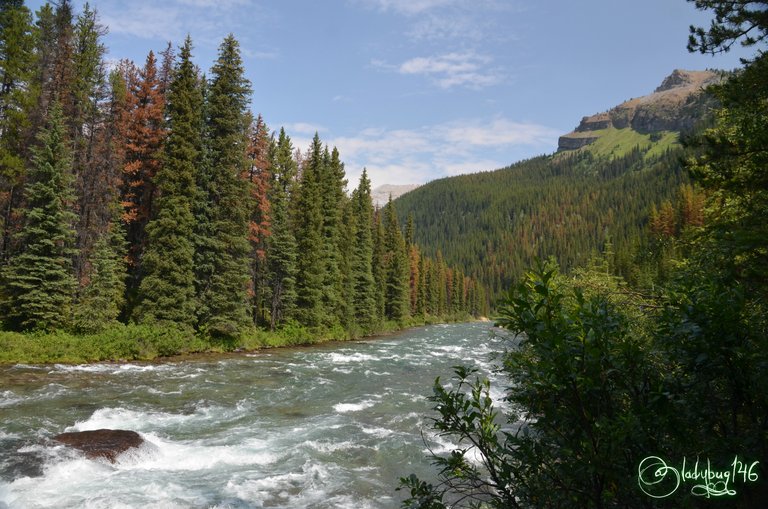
(149, 194)
(571, 206)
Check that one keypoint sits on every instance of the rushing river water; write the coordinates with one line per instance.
(328, 426)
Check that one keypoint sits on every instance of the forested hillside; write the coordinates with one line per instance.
(570, 205)
(151, 195)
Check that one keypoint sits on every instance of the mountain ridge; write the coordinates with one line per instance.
(675, 105)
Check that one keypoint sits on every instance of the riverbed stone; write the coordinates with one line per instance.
(101, 443)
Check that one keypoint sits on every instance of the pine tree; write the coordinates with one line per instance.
(144, 144)
(281, 245)
(414, 266)
(421, 295)
(16, 50)
(225, 293)
(347, 234)
(257, 175)
(379, 265)
(442, 285)
(101, 299)
(333, 197)
(309, 236)
(167, 291)
(39, 281)
(90, 92)
(364, 297)
(397, 300)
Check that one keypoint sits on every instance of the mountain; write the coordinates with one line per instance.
(675, 106)
(593, 195)
(381, 194)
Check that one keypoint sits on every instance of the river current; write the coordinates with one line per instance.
(329, 426)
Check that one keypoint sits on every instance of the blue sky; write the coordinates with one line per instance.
(416, 90)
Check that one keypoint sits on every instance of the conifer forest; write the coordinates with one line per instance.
(148, 194)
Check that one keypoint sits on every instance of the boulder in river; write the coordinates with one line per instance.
(101, 443)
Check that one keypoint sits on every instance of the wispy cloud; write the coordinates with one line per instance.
(144, 21)
(445, 19)
(208, 21)
(408, 7)
(465, 69)
(304, 128)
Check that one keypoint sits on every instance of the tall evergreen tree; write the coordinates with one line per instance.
(379, 264)
(281, 245)
(397, 299)
(309, 236)
(16, 53)
(90, 95)
(225, 293)
(144, 145)
(167, 291)
(39, 281)
(102, 296)
(364, 299)
(257, 175)
(333, 197)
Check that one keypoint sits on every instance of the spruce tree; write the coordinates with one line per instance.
(101, 299)
(87, 124)
(397, 298)
(167, 291)
(308, 219)
(379, 264)
(257, 176)
(347, 234)
(333, 197)
(145, 135)
(16, 46)
(281, 245)
(364, 296)
(39, 281)
(225, 292)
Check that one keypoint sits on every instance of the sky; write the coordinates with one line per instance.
(415, 90)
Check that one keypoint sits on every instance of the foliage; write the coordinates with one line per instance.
(225, 291)
(733, 172)
(741, 21)
(39, 281)
(587, 397)
(99, 302)
(281, 245)
(167, 291)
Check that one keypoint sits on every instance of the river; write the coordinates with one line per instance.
(328, 426)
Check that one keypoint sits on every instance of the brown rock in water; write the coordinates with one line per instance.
(101, 443)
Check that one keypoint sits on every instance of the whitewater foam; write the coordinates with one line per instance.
(343, 408)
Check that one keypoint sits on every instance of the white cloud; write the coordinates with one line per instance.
(304, 128)
(408, 7)
(499, 132)
(449, 20)
(215, 4)
(465, 69)
(145, 22)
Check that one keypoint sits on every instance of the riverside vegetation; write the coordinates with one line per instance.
(146, 212)
(606, 375)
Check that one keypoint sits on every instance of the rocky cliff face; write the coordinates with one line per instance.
(676, 105)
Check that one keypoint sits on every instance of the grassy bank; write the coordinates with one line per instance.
(145, 343)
